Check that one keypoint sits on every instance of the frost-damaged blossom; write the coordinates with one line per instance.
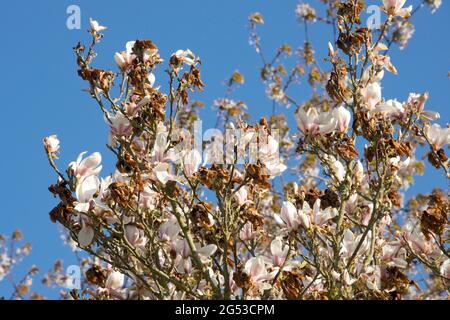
(181, 57)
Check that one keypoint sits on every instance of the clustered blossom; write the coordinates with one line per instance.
(314, 212)
(306, 12)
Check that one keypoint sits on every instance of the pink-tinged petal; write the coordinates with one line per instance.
(85, 235)
(115, 280)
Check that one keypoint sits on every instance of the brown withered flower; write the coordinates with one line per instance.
(248, 213)
(98, 78)
(241, 278)
(434, 219)
(120, 193)
(256, 172)
(96, 275)
(292, 285)
(200, 214)
(350, 11)
(147, 52)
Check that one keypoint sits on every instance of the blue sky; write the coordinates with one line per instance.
(41, 92)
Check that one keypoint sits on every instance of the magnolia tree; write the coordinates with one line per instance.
(261, 210)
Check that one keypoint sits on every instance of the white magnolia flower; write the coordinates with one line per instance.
(274, 168)
(161, 172)
(148, 198)
(267, 149)
(86, 167)
(206, 252)
(395, 8)
(342, 116)
(85, 191)
(51, 143)
(437, 136)
(398, 164)
(85, 235)
(445, 269)
(247, 233)
(313, 123)
(151, 79)
(168, 231)
(371, 95)
(417, 241)
(350, 242)
(120, 125)
(241, 196)
(115, 280)
(348, 280)
(390, 108)
(135, 236)
(95, 26)
(394, 255)
(338, 170)
(416, 102)
(330, 49)
(352, 203)
(377, 77)
(358, 170)
(288, 216)
(268, 153)
(315, 216)
(256, 268)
